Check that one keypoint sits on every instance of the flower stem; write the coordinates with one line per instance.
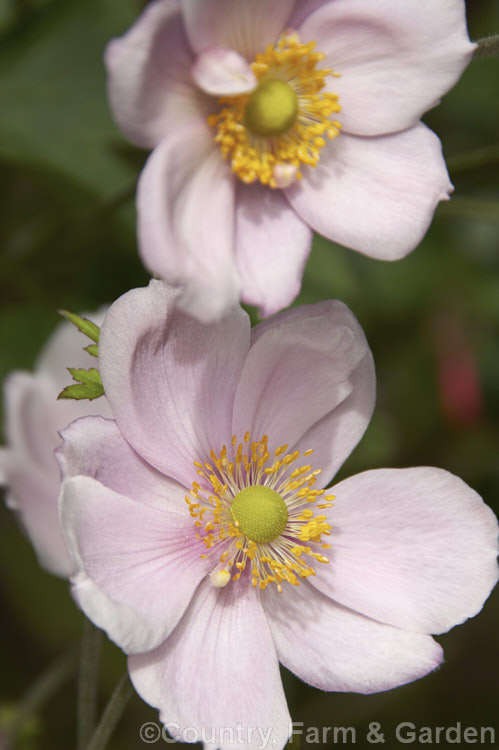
(487, 47)
(88, 677)
(42, 690)
(112, 714)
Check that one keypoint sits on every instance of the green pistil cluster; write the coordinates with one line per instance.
(259, 513)
(272, 108)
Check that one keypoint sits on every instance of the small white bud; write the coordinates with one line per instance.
(220, 578)
(284, 175)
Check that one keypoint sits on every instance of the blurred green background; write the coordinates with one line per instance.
(67, 239)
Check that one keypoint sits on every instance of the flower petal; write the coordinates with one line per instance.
(149, 78)
(333, 648)
(415, 548)
(185, 204)
(236, 24)
(94, 447)
(272, 247)
(218, 669)
(302, 10)
(169, 379)
(32, 493)
(308, 382)
(375, 195)
(137, 566)
(395, 59)
(27, 466)
(223, 72)
(32, 419)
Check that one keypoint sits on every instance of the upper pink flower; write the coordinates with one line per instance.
(33, 418)
(192, 518)
(260, 137)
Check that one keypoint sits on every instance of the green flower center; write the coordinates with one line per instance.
(260, 513)
(272, 108)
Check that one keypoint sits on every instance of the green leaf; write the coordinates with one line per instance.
(89, 384)
(83, 324)
(85, 376)
(81, 391)
(92, 349)
(55, 113)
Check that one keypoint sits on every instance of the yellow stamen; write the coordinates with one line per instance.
(257, 507)
(270, 134)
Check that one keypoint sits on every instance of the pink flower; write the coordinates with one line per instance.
(259, 137)
(204, 543)
(458, 374)
(33, 417)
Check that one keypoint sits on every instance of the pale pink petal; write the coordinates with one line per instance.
(217, 669)
(149, 80)
(333, 648)
(302, 10)
(95, 447)
(247, 27)
(185, 204)
(300, 374)
(395, 59)
(375, 195)
(4, 457)
(334, 437)
(137, 566)
(31, 421)
(33, 415)
(223, 72)
(415, 548)
(169, 379)
(272, 247)
(32, 493)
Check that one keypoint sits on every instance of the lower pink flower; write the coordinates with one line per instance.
(204, 541)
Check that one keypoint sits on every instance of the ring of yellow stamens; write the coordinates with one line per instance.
(249, 508)
(284, 121)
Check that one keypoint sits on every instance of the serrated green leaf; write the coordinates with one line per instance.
(80, 391)
(92, 349)
(92, 375)
(83, 324)
(89, 385)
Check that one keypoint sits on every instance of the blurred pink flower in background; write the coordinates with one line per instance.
(33, 416)
(260, 137)
(202, 539)
(458, 375)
